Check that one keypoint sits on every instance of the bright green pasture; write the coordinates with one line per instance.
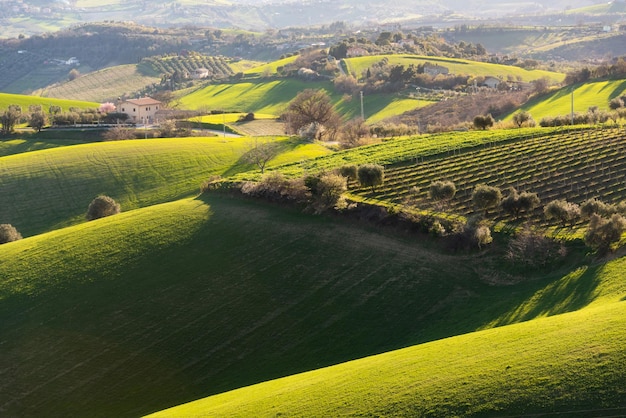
(7, 99)
(358, 65)
(409, 148)
(230, 117)
(595, 93)
(270, 68)
(158, 306)
(250, 96)
(273, 97)
(563, 364)
(48, 189)
(105, 84)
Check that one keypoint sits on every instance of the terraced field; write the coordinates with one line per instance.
(573, 165)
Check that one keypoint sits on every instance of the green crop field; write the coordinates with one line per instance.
(7, 99)
(269, 68)
(98, 86)
(594, 93)
(358, 65)
(47, 189)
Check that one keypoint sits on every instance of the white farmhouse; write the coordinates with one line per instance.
(140, 110)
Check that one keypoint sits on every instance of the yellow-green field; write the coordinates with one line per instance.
(358, 65)
(593, 93)
(24, 101)
(48, 189)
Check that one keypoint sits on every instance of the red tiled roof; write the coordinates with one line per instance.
(144, 101)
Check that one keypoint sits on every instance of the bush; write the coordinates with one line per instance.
(329, 189)
(101, 207)
(515, 203)
(349, 171)
(441, 191)
(531, 248)
(371, 175)
(485, 197)
(118, 133)
(602, 233)
(594, 206)
(562, 211)
(8, 233)
(483, 122)
(482, 234)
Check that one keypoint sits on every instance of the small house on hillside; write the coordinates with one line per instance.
(356, 51)
(435, 69)
(491, 82)
(140, 110)
(200, 73)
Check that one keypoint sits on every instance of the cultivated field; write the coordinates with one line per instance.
(103, 85)
(574, 165)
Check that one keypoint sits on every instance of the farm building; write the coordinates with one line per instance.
(435, 69)
(141, 110)
(491, 82)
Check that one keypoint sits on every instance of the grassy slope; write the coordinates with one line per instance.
(102, 85)
(456, 66)
(597, 93)
(25, 101)
(48, 189)
(158, 306)
(573, 362)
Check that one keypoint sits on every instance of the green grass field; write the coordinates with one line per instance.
(595, 93)
(98, 86)
(358, 65)
(48, 189)
(7, 99)
(162, 305)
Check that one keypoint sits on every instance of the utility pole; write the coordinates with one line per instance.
(572, 106)
(362, 111)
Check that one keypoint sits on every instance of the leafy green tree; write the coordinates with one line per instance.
(486, 197)
(371, 175)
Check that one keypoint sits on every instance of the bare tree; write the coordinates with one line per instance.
(260, 153)
(312, 106)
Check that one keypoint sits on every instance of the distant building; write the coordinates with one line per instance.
(491, 82)
(435, 69)
(140, 110)
(200, 73)
(356, 51)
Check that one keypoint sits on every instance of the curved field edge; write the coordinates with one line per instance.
(563, 364)
(358, 65)
(7, 99)
(48, 189)
(155, 307)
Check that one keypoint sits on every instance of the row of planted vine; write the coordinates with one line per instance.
(572, 165)
(217, 66)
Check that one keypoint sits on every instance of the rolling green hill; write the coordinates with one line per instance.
(155, 307)
(593, 93)
(570, 364)
(102, 85)
(47, 189)
(7, 99)
(358, 65)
